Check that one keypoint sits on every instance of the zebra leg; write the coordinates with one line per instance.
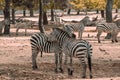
(17, 30)
(98, 36)
(84, 69)
(116, 37)
(80, 34)
(25, 31)
(34, 56)
(60, 59)
(56, 62)
(66, 58)
(113, 37)
(70, 69)
(41, 54)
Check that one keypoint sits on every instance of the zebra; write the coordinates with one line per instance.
(73, 48)
(108, 28)
(26, 24)
(79, 27)
(40, 42)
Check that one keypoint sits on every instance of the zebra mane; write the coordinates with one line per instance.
(60, 30)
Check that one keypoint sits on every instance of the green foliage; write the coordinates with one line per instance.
(2, 4)
(20, 4)
(88, 4)
(116, 4)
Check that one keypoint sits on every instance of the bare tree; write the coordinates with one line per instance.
(109, 6)
(7, 17)
(41, 28)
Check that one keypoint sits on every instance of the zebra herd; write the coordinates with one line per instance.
(63, 41)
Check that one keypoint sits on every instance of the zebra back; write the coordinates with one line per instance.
(106, 27)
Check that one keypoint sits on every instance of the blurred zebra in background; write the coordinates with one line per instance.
(23, 24)
(108, 28)
(71, 47)
(39, 43)
(79, 27)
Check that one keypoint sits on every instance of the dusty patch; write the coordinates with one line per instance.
(15, 59)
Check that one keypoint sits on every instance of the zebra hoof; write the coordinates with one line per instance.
(112, 41)
(99, 42)
(84, 76)
(56, 70)
(34, 67)
(116, 40)
(70, 72)
(91, 76)
(61, 70)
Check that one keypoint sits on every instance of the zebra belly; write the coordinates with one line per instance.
(49, 50)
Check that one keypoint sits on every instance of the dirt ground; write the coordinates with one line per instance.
(15, 59)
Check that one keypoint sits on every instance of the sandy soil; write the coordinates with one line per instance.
(15, 59)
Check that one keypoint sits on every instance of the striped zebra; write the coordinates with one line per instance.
(79, 27)
(40, 43)
(71, 47)
(108, 28)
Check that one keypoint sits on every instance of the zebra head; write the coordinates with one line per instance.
(59, 35)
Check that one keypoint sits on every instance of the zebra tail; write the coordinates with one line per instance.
(89, 64)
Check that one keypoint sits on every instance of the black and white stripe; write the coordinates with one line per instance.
(73, 48)
(40, 43)
(108, 28)
(79, 27)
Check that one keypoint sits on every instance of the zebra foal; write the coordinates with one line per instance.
(108, 28)
(39, 43)
(71, 47)
(79, 27)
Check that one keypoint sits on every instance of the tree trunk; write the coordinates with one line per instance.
(109, 10)
(69, 10)
(109, 6)
(52, 14)
(41, 28)
(45, 21)
(102, 14)
(78, 12)
(97, 11)
(7, 17)
(13, 16)
(116, 10)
